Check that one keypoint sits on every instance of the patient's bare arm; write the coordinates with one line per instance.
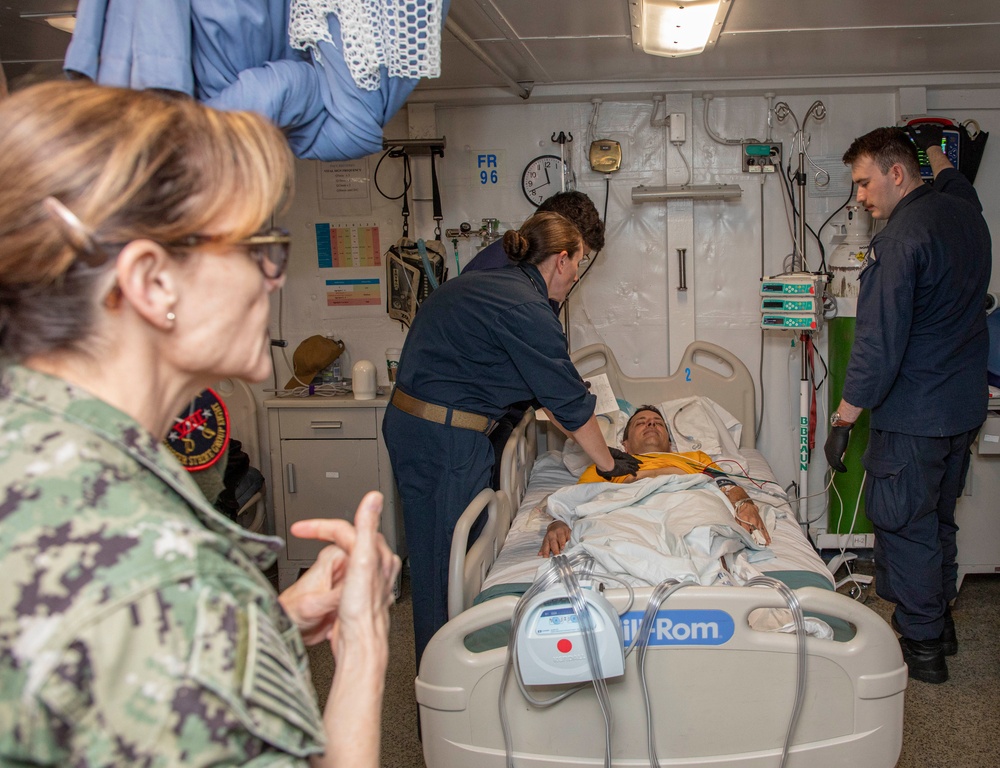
(750, 520)
(556, 537)
(747, 514)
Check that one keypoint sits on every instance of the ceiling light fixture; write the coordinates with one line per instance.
(681, 27)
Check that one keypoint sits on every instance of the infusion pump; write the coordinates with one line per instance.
(792, 302)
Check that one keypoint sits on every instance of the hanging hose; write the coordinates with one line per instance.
(792, 600)
(565, 571)
(661, 592)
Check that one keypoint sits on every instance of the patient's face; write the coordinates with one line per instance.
(647, 433)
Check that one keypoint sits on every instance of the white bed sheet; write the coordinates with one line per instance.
(518, 561)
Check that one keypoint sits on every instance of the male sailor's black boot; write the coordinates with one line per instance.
(924, 659)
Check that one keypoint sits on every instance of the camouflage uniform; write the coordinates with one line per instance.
(136, 627)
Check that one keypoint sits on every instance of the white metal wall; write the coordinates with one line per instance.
(630, 298)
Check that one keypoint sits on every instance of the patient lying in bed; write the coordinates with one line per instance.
(647, 437)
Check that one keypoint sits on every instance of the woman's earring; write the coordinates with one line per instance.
(171, 317)
(114, 298)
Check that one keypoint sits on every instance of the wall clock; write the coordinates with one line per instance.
(543, 177)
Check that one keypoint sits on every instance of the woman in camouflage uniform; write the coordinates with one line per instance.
(136, 626)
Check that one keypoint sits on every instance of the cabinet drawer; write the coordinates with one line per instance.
(325, 479)
(327, 423)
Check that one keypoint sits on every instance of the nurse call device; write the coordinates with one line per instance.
(605, 156)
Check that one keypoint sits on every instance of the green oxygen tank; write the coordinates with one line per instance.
(845, 267)
(846, 489)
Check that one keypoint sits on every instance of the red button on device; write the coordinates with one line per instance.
(564, 646)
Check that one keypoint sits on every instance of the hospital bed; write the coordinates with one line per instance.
(723, 705)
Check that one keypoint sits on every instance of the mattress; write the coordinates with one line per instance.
(518, 560)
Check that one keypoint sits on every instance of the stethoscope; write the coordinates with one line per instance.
(695, 443)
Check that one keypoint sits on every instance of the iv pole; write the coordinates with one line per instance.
(817, 111)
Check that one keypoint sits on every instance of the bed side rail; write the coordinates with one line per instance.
(516, 462)
(468, 565)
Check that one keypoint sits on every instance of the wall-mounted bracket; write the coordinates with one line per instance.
(414, 147)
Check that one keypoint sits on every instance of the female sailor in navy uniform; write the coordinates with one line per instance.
(480, 344)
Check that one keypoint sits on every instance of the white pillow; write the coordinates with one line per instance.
(696, 424)
(700, 424)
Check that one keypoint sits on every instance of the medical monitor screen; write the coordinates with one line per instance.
(949, 145)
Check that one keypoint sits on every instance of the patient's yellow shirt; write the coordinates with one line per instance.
(690, 463)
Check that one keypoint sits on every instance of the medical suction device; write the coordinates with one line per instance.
(556, 618)
(550, 645)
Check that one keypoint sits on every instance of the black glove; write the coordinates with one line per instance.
(625, 464)
(836, 445)
(926, 135)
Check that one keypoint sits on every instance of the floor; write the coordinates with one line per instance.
(954, 725)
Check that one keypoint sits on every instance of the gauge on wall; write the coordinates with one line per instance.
(543, 177)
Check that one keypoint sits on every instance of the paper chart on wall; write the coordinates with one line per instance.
(356, 245)
(343, 179)
(353, 293)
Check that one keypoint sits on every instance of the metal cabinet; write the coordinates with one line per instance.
(326, 454)
(976, 513)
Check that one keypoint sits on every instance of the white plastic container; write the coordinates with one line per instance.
(363, 380)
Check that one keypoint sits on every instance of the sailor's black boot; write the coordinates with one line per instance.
(925, 659)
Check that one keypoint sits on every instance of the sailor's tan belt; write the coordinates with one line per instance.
(439, 414)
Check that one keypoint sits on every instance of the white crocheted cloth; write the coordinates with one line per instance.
(404, 36)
